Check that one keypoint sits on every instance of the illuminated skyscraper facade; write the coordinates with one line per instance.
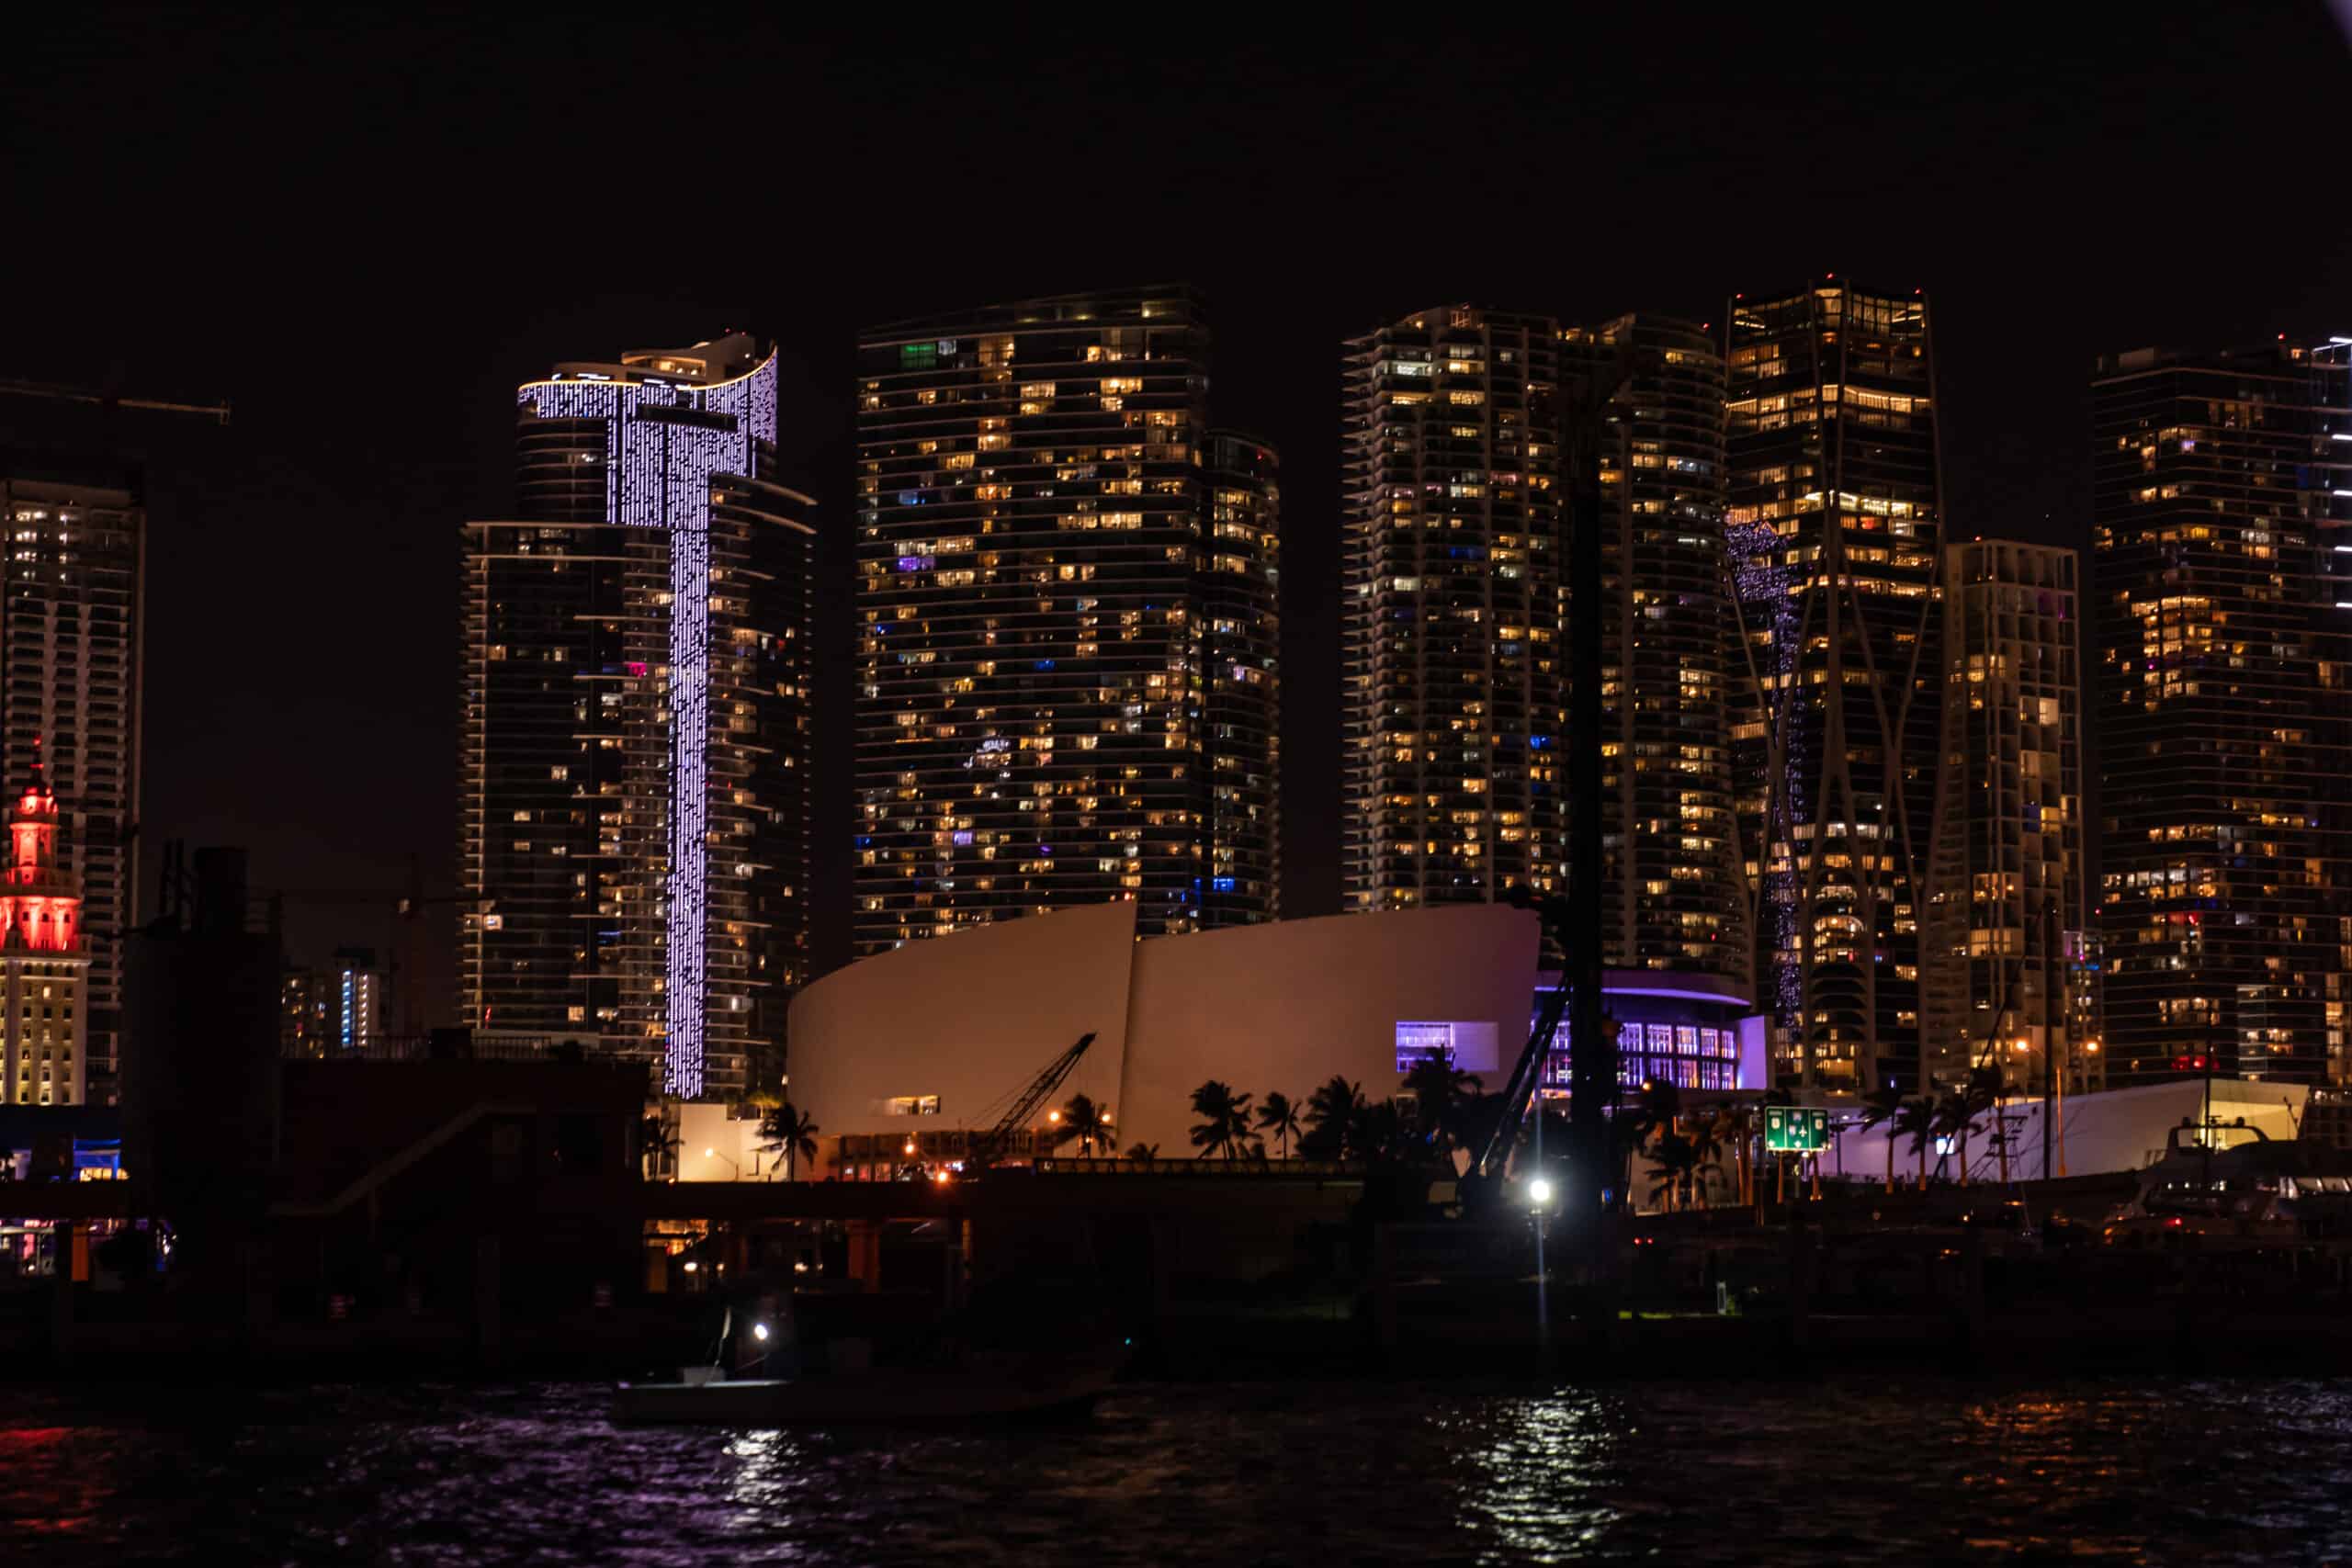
(1673, 885)
(1450, 680)
(2003, 982)
(635, 831)
(1053, 552)
(1832, 528)
(1242, 645)
(70, 712)
(2222, 497)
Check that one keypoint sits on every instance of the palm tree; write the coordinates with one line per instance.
(1676, 1158)
(1380, 1133)
(1146, 1154)
(1086, 1121)
(1956, 1114)
(1917, 1122)
(654, 1142)
(790, 1132)
(1441, 1095)
(1879, 1107)
(1225, 1119)
(1279, 1117)
(1333, 1112)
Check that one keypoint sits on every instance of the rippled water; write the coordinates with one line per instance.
(1850, 1470)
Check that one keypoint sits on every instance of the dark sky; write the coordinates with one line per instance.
(364, 235)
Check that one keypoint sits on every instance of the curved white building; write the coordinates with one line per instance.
(938, 1038)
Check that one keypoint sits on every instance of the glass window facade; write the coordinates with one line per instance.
(1833, 528)
(1067, 689)
(2226, 630)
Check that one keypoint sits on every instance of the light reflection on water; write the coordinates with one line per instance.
(1851, 1469)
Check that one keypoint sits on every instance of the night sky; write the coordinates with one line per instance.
(363, 238)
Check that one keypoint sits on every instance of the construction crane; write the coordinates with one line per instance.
(990, 1144)
(1486, 1171)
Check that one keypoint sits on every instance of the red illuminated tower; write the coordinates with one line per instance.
(45, 962)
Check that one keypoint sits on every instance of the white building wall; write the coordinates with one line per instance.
(975, 1017)
(970, 1017)
(1283, 1007)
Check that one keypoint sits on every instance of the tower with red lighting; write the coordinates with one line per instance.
(44, 958)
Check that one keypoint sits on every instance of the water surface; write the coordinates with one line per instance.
(1848, 1470)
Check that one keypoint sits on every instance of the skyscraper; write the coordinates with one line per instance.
(1451, 678)
(1052, 549)
(2221, 496)
(2006, 905)
(1674, 889)
(1240, 645)
(635, 828)
(70, 712)
(1833, 528)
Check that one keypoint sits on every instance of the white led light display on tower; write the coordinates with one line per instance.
(608, 766)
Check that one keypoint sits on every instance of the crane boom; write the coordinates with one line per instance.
(992, 1143)
(1520, 1090)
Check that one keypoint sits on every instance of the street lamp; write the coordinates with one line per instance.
(714, 1154)
(1539, 1192)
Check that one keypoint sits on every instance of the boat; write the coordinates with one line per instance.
(984, 1386)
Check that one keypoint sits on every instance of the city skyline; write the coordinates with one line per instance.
(249, 725)
(1346, 786)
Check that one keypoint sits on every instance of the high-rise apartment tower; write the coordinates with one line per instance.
(1833, 528)
(635, 747)
(2002, 944)
(1451, 572)
(1673, 884)
(1066, 660)
(2222, 499)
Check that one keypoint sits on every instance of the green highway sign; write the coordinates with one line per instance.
(1795, 1129)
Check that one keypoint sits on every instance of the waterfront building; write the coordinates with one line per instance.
(2221, 495)
(1673, 882)
(44, 964)
(1832, 528)
(70, 709)
(635, 739)
(1066, 658)
(1280, 1006)
(2005, 980)
(1452, 692)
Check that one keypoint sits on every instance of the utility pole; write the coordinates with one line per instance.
(1592, 1071)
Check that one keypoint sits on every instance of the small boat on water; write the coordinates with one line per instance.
(983, 1387)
